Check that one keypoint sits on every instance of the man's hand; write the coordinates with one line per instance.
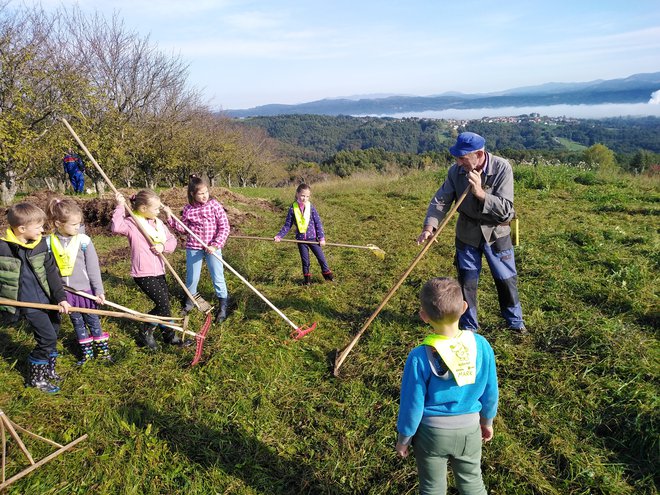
(474, 178)
(423, 237)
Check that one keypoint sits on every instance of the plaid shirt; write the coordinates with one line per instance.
(209, 221)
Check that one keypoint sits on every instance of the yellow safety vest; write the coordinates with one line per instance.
(65, 257)
(157, 234)
(459, 354)
(302, 217)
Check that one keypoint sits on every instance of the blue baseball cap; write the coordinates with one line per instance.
(467, 142)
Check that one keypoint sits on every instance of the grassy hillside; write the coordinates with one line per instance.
(263, 415)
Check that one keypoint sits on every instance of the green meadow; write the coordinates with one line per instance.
(262, 414)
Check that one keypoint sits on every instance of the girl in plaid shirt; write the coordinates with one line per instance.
(206, 217)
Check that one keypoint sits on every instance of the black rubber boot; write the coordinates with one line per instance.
(51, 375)
(170, 336)
(102, 348)
(87, 349)
(307, 280)
(188, 306)
(147, 336)
(38, 372)
(221, 312)
(328, 276)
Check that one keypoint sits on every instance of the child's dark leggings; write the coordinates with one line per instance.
(45, 326)
(318, 252)
(156, 289)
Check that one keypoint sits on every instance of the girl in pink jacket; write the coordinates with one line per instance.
(147, 268)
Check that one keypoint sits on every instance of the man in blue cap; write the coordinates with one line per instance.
(482, 228)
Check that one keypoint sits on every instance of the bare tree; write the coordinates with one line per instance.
(36, 82)
(139, 94)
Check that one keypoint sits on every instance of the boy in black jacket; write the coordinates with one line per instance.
(28, 273)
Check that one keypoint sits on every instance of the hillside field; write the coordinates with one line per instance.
(262, 414)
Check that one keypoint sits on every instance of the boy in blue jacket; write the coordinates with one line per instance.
(448, 395)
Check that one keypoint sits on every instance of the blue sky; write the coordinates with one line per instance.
(244, 53)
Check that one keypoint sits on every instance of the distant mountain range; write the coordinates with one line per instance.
(634, 89)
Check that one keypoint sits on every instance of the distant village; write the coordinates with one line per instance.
(517, 119)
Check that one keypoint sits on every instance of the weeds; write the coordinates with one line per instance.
(262, 414)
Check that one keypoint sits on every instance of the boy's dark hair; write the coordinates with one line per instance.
(442, 297)
(194, 185)
(142, 198)
(303, 187)
(60, 210)
(24, 214)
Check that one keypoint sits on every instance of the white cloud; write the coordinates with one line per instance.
(655, 98)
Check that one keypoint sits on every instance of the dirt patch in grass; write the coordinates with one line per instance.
(98, 211)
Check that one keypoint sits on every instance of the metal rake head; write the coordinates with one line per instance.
(202, 304)
(378, 252)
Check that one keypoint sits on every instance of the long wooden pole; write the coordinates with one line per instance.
(5, 422)
(343, 354)
(336, 244)
(240, 277)
(194, 299)
(166, 319)
(100, 312)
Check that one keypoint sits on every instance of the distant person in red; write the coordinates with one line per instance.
(74, 166)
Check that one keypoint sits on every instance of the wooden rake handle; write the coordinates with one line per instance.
(343, 354)
(100, 312)
(119, 306)
(236, 236)
(240, 277)
(130, 212)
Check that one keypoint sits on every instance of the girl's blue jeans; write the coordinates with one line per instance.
(194, 259)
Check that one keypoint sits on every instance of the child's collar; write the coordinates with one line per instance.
(11, 237)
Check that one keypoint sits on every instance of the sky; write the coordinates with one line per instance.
(244, 53)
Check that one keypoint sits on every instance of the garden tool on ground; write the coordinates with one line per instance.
(297, 333)
(377, 252)
(8, 426)
(341, 355)
(100, 312)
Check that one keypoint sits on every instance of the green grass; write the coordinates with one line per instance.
(263, 415)
(570, 145)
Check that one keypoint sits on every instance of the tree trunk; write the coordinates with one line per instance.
(8, 186)
(99, 185)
